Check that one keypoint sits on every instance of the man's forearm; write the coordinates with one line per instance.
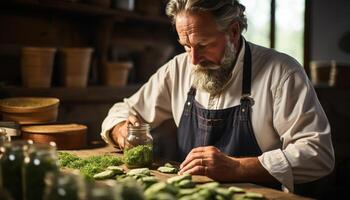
(251, 170)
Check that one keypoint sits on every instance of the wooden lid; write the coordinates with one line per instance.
(27, 104)
(66, 136)
(57, 128)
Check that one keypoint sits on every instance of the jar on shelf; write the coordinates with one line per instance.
(138, 146)
(39, 160)
(11, 161)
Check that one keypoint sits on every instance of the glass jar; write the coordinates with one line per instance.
(12, 156)
(64, 186)
(106, 190)
(138, 146)
(39, 160)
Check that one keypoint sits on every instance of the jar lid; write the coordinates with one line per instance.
(141, 126)
(3, 132)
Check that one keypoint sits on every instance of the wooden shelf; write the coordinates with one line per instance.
(61, 23)
(88, 94)
(85, 9)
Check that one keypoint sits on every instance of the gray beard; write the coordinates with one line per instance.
(213, 78)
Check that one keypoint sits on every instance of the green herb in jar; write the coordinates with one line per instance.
(139, 156)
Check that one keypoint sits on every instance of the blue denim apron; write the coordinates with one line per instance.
(230, 129)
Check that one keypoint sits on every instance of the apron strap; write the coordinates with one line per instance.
(247, 71)
(247, 75)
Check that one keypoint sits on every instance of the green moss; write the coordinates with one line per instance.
(88, 166)
(66, 158)
(139, 156)
(90, 169)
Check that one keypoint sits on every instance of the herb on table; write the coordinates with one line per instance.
(66, 158)
(168, 168)
(88, 166)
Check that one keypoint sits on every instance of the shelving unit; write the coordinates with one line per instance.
(84, 9)
(95, 26)
(92, 94)
(61, 23)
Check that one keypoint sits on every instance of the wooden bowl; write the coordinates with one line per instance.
(66, 136)
(30, 110)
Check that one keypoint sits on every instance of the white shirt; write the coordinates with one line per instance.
(289, 123)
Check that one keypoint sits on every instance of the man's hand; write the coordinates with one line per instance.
(120, 131)
(209, 161)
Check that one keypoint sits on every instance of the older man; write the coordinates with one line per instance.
(244, 112)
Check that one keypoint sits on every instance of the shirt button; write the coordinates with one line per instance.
(188, 103)
(243, 110)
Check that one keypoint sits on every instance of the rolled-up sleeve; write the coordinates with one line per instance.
(307, 153)
(150, 103)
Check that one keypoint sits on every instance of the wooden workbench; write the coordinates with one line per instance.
(270, 194)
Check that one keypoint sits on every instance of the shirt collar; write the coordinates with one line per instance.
(240, 59)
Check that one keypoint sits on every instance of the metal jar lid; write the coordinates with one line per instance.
(11, 128)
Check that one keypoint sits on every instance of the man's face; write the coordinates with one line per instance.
(210, 50)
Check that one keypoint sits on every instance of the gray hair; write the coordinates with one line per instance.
(223, 11)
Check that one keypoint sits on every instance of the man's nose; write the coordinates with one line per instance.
(195, 56)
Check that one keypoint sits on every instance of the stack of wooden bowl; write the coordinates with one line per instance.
(36, 116)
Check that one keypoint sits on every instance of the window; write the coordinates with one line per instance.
(258, 16)
(277, 24)
(290, 27)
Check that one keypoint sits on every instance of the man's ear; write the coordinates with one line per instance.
(234, 32)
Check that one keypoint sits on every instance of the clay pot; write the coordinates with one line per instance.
(117, 73)
(36, 66)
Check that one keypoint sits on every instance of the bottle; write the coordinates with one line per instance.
(38, 161)
(110, 190)
(11, 161)
(66, 185)
(138, 146)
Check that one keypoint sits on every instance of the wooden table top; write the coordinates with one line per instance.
(249, 187)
